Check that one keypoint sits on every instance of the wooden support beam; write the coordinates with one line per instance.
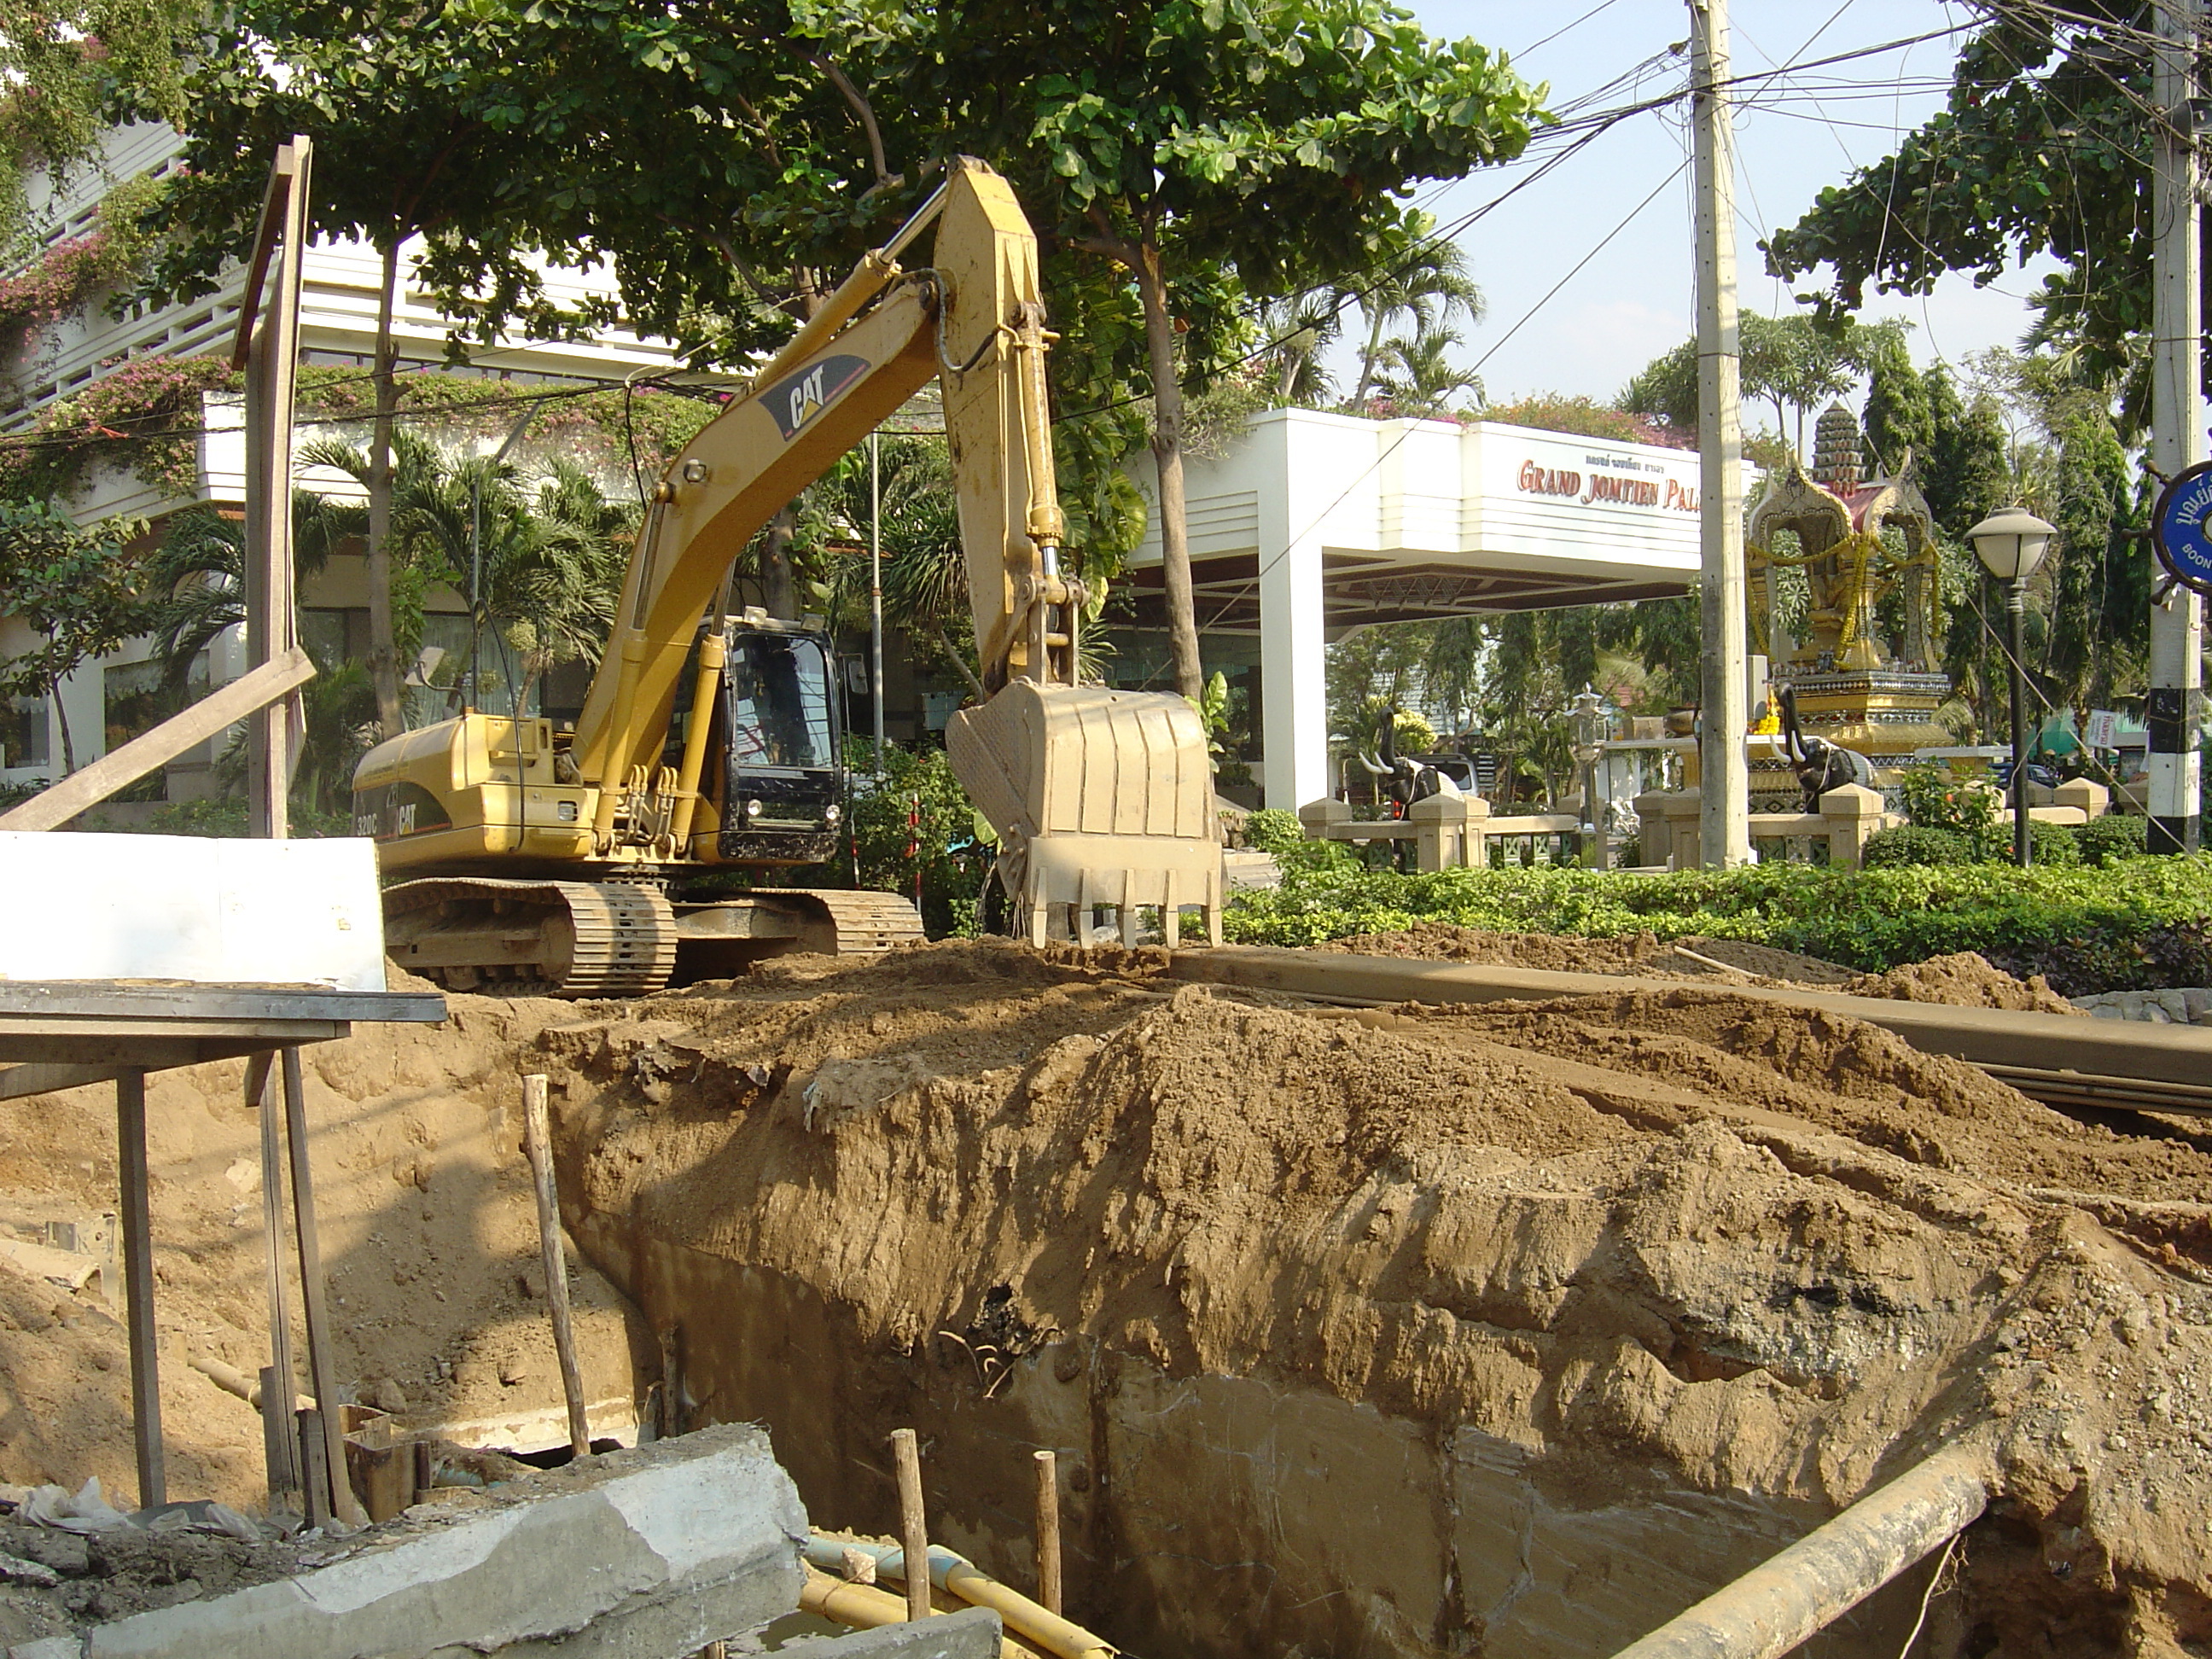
(279, 1430)
(138, 1281)
(16, 1081)
(343, 1504)
(49, 809)
(538, 1143)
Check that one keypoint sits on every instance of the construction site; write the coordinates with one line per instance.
(1442, 1325)
(539, 1220)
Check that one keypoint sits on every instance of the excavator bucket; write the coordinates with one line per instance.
(1100, 798)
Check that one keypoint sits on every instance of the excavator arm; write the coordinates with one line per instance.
(976, 316)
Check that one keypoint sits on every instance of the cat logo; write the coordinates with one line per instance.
(800, 397)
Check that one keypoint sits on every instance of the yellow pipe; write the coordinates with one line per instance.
(713, 653)
(959, 1575)
(862, 1607)
(1054, 1634)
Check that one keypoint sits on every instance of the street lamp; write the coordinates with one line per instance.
(2010, 544)
(1588, 736)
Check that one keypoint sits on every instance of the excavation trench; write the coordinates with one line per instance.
(1514, 1330)
(1510, 1330)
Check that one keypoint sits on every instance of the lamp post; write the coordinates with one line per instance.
(1589, 735)
(2010, 544)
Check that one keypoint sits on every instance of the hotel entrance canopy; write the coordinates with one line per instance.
(1316, 524)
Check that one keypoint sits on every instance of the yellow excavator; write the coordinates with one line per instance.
(548, 861)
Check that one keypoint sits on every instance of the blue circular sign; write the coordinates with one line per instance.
(2181, 526)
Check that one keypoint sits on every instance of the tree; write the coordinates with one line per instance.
(1898, 420)
(1428, 290)
(451, 102)
(1177, 141)
(1790, 363)
(2043, 147)
(64, 64)
(705, 152)
(1417, 375)
(75, 589)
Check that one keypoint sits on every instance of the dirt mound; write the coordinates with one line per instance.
(1644, 954)
(1964, 980)
(1582, 1307)
(1651, 1250)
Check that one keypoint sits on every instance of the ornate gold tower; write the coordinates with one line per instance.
(1858, 543)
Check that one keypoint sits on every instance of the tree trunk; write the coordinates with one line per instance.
(383, 642)
(1167, 452)
(779, 590)
(1367, 358)
(61, 719)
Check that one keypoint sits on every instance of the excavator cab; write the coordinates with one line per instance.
(783, 775)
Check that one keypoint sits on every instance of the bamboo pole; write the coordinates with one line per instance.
(340, 1501)
(914, 1528)
(538, 1141)
(1047, 1531)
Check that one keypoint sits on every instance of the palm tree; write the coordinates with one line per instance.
(1429, 287)
(1417, 374)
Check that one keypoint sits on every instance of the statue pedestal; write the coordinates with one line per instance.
(1883, 713)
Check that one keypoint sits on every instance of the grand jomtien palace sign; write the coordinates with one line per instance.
(1535, 478)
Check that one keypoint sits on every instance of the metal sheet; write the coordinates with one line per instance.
(84, 907)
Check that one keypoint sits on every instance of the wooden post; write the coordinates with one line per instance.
(138, 1282)
(1047, 1531)
(340, 1501)
(269, 355)
(315, 1468)
(913, 1525)
(425, 1471)
(277, 1426)
(538, 1141)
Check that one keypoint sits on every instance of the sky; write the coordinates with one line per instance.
(1794, 138)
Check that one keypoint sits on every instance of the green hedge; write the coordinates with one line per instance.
(2139, 922)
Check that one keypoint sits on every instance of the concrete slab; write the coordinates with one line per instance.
(654, 1552)
(971, 1633)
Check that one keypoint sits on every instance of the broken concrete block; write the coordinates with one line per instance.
(971, 1633)
(656, 1551)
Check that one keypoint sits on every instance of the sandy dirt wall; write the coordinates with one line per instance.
(1507, 1331)
(428, 1232)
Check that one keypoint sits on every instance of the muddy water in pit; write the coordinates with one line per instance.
(1509, 1331)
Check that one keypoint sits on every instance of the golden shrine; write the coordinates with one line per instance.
(1859, 542)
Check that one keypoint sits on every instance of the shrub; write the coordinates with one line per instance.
(941, 859)
(2049, 844)
(1935, 800)
(1916, 844)
(2115, 836)
(1272, 830)
(2141, 922)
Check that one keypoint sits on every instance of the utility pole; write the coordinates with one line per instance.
(876, 591)
(2176, 625)
(1723, 818)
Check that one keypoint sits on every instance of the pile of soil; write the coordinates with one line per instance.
(1665, 1247)
(1646, 955)
(1680, 1237)
(1964, 979)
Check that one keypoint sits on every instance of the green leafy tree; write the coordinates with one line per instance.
(73, 589)
(1789, 362)
(66, 65)
(1898, 419)
(1177, 141)
(2042, 148)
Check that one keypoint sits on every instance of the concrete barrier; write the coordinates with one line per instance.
(656, 1551)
